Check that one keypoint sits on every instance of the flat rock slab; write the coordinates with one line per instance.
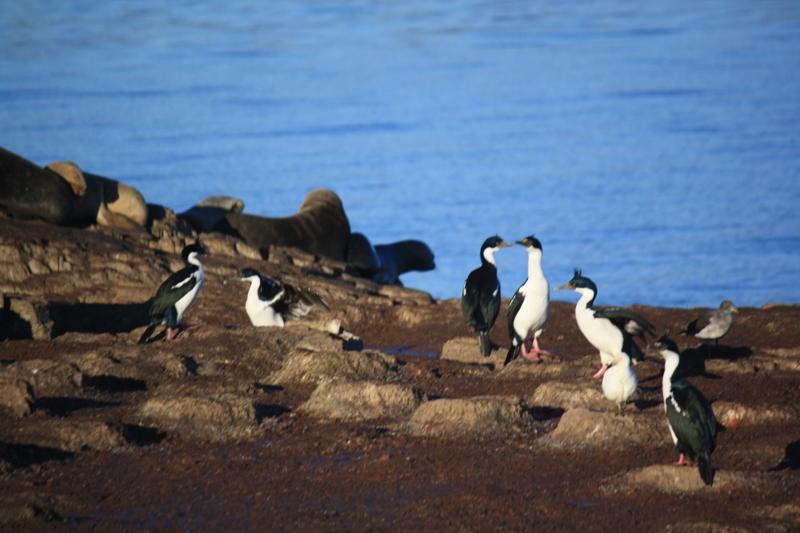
(48, 378)
(214, 417)
(69, 435)
(478, 415)
(550, 368)
(304, 366)
(581, 427)
(734, 414)
(571, 395)
(685, 479)
(466, 350)
(363, 400)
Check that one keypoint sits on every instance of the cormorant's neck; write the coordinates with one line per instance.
(487, 258)
(535, 264)
(671, 361)
(193, 260)
(587, 297)
(254, 286)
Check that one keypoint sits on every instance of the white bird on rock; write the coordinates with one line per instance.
(619, 381)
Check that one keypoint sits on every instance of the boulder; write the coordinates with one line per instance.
(16, 397)
(478, 415)
(734, 414)
(684, 479)
(581, 427)
(363, 400)
(215, 417)
(70, 435)
(466, 350)
(48, 378)
(550, 368)
(571, 395)
(304, 366)
(25, 318)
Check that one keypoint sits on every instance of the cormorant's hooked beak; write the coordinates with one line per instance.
(505, 244)
(567, 285)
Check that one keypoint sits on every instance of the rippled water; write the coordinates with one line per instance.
(654, 145)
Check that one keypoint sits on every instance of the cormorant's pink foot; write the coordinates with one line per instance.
(600, 372)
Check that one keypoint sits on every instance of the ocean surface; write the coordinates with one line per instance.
(655, 145)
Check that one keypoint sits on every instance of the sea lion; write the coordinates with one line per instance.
(29, 191)
(401, 257)
(207, 212)
(362, 255)
(384, 263)
(102, 200)
(62, 194)
(320, 227)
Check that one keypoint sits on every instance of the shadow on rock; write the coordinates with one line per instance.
(543, 414)
(64, 406)
(693, 360)
(269, 411)
(114, 384)
(24, 455)
(98, 318)
(142, 435)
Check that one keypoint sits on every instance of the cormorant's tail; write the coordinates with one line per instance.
(513, 353)
(485, 343)
(146, 335)
(704, 465)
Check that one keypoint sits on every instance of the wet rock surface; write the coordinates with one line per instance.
(381, 415)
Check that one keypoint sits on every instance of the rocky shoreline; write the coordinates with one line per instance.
(381, 415)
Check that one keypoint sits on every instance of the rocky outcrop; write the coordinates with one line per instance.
(468, 416)
(363, 400)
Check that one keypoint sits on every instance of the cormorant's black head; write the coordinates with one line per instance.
(665, 343)
(577, 282)
(247, 273)
(530, 242)
(493, 242)
(195, 249)
(490, 246)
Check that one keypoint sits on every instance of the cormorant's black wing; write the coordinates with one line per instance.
(173, 289)
(490, 298)
(692, 419)
(513, 309)
(297, 303)
(268, 289)
(626, 320)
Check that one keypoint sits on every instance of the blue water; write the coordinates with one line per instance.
(656, 145)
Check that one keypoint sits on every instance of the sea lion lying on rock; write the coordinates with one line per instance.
(207, 212)
(320, 227)
(384, 263)
(62, 194)
(102, 200)
(29, 191)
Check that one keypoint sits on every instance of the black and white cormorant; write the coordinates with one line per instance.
(176, 294)
(529, 308)
(480, 298)
(609, 329)
(270, 303)
(713, 325)
(691, 420)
